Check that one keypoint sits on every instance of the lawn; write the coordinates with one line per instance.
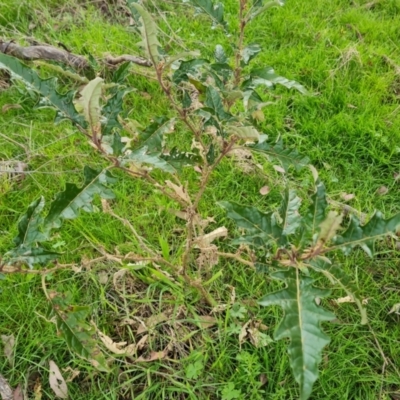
(346, 54)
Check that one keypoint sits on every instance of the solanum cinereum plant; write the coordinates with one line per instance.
(218, 104)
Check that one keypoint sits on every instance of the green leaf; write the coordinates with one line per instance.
(317, 211)
(30, 256)
(267, 77)
(365, 235)
(111, 110)
(285, 156)
(144, 156)
(213, 101)
(244, 132)
(148, 30)
(90, 101)
(45, 87)
(121, 73)
(289, 212)
(135, 14)
(262, 8)
(249, 52)
(338, 277)
(220, 55)
(29, 225)
(152, 136)
(78, 334)
(187, 68)
(215, 12)
(261, 228)
(68, 203)
(301, 324)
(179, 159)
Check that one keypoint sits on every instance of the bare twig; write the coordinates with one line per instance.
(51, 53)
(237, 258)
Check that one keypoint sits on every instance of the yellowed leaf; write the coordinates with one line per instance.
(7, 107)
(382, 191)
(347, 196)
(6, 392)
(9, 342)
(330, 226)
(278, 169)
(37, 390)
(206, 321)
(117, 347)
(155, 355)
(206, 240)
(151, 322)
(57, 382)
(72, 374)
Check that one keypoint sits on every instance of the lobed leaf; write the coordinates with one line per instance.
(78, 334)
(111, 110)
(29, 225)
(46, 88)
(179, 159)
(267, 77)
(365, 235)
(301, 324)
(148, 30)
(285, 156)
(90, 101)
(261, 228)
(259, 7)
(68, 203)
(152, 136)
(215, 12)
(30, 256)
(289, 212)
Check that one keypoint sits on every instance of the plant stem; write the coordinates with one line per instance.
(238, 55)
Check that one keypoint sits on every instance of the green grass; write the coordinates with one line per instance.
(349, 129)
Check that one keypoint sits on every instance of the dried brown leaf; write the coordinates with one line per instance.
(117, 348)
(347, 196)
(155, 355)
(180, 191)
(7, 107)
(103, 277)
(208, 257)
(382, 191)
(72, 374)
(9, 342)
(6, 392)
(57, 382)
(18, 393)
(265, 190)
(206, 321)
(205, 241)
(151, 322)
(278, 168)
(37, 390)
(329, 226)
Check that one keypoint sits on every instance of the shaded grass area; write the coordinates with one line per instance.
(347, 55)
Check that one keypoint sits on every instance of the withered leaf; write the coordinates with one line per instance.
(9, 342)
(117, 348)
(6, 392)
(265, 190)
(57, 382)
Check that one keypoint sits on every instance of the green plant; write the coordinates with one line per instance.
(218, 106)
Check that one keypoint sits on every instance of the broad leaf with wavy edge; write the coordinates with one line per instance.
(90, 101)
(338, 277)
(148, 30)
(285, 156)
(215, 12)
(29, 225)
(289, 212)
(301, 324)
(365, 235)
(261, 228)
(78, 334)
(68, 203)
(316, 213)
(45, 87)
(152, 137)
